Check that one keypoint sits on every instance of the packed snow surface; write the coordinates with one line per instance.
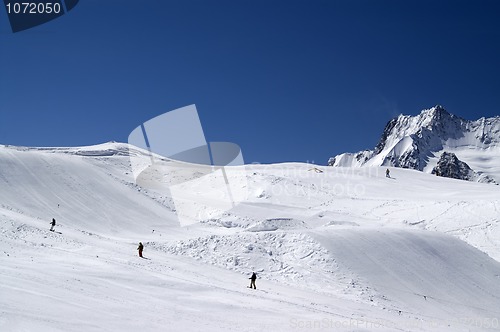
(346, 249)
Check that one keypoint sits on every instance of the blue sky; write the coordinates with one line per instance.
(286, 80)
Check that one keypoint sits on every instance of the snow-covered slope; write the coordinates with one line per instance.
(346, 249)
(417, 142)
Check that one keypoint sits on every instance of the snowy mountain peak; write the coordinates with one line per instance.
(417, 142)
(437, 112)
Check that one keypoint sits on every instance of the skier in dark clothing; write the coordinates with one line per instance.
(52, 224)
(252, 280)
(140, 248)
(387, 173)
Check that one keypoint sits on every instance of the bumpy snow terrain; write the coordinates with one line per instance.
(417, 142)
(345, 249)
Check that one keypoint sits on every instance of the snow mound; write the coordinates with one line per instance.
(292, 258)
(275, 224)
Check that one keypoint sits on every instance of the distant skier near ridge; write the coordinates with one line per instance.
(387, 173)
(140, 248)
(52, 224)
(252, 280)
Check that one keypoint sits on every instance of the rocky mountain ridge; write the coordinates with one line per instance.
(417, 142)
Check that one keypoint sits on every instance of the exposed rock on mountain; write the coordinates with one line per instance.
(451, 167)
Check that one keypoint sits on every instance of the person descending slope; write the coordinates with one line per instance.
(52, 224)
(252, 280)
(140, 248)
(387, 173)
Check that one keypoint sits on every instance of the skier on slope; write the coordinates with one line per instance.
(387, 173)
(52, 224)
(252, 280)
(140, 248)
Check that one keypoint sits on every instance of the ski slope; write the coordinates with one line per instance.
(345, 249)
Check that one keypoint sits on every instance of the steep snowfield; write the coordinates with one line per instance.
(346, 249)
